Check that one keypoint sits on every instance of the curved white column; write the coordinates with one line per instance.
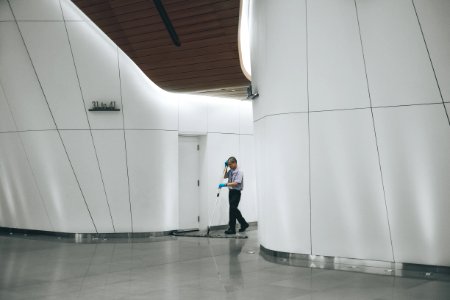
(351, 128)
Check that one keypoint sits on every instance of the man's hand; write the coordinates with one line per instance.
(222, 185)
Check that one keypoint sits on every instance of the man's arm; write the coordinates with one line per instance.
(225, 172)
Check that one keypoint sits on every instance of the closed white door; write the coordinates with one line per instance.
(189, 182)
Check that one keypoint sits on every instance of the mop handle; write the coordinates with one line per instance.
(215, 206)
(213, 212)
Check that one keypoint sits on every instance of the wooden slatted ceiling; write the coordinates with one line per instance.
(206, 62)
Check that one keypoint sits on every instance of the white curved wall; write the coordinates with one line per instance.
(66, 169)
(351, 127)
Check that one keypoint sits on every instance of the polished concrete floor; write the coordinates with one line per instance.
(181, 268)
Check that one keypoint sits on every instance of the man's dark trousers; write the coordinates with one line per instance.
(233, 199)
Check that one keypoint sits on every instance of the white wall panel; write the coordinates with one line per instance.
(246, 162)
(5, 11)
(6, 119)
(434, 17)
(20, 203)
(286, 56)
(36, 10)
(246, 117)
(223, 116)
(337, 78)
(193, 116)
(153, 165)
(84, 161)
(258, 33)
(98, 71)
(219, 148)
(19, 82)
(284, 203)
(48, 46)
(398, 66)
(110, 147)
(145, 105)
(285, 44)
(8, 205)
(414, 147)
(71, 12)
(348, 209)
(260, 165)
(56, 181)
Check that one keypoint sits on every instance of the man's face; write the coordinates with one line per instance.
(232, 165)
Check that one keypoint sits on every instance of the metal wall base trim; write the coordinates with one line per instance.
(88, 237)
(80, 237)
(386, 268)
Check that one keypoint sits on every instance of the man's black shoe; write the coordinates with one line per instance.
(243, 227)
(229, 231)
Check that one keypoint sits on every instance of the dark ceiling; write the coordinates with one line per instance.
(207, 61)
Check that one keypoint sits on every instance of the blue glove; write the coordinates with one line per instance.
(226, 163)
(222, 185)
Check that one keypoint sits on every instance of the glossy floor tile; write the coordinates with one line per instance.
(181, 268)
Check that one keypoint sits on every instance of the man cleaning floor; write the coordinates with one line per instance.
(235, 185)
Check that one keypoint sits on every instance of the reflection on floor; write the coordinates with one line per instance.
(181, 268)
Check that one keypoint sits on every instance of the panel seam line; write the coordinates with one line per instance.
(375, 131)
(431, 61)
(87, 117)
(125, 139)
(309, 128)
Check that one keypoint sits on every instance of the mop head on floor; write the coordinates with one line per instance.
(216, 234)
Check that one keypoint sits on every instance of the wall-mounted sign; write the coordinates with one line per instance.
(104, 106)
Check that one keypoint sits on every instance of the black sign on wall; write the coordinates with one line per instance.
(104, 106)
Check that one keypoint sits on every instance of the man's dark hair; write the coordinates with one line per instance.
(232, 159)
